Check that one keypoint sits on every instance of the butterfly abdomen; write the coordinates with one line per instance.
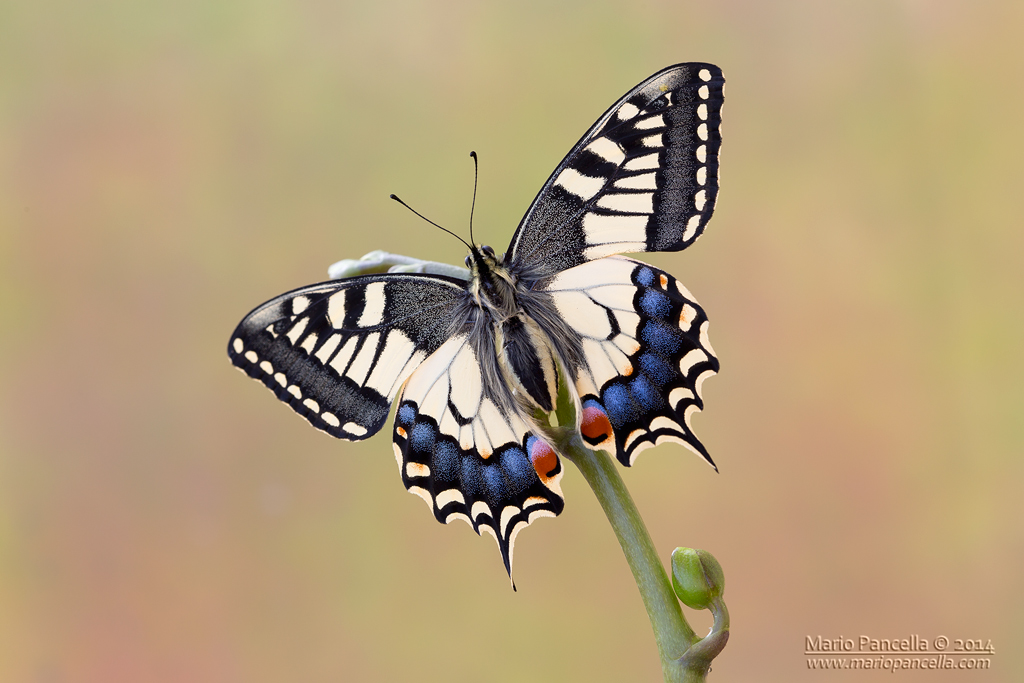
(523, 353)
(527, 360)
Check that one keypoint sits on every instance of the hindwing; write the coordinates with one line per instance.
(467, 457)
(643, 178)
(646, 354)
(338, 352)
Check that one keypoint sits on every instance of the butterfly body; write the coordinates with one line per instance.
(518, 318)
(472, 362)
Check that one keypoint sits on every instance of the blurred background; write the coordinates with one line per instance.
(166, 166)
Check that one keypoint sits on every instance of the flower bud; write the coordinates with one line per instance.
(697, 578)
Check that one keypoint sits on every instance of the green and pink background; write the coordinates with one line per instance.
(166, 166)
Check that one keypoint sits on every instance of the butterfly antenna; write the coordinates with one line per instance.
(472, 208)
(395, 197)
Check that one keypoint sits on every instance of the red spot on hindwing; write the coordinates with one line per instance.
(595, 425)
(543, 458)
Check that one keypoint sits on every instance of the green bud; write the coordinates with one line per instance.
(697, 578)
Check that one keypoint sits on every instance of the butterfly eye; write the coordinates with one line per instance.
(469, 261)
(487, 250)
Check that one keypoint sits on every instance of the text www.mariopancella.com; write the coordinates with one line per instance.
(914, 653)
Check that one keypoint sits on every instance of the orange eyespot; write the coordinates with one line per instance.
(543, 458)
(595, 426)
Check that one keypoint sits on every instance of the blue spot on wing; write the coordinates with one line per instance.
(661, 337)
(472, 486)
(645, 276)
(446, 463)
(646, 394)
(421, 437)
(619, 405)
(655, 304)
(656, 369)
(494, 482)
(406, 415)
(518, 469)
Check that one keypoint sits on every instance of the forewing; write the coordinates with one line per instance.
(338, 352)
(643, 178)
(467, 458)
(646, 354)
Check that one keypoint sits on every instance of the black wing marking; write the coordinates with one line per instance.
(643, 178)
(468, 458)
(338, 352)
(646, 354)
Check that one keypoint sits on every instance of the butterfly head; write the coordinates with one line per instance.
(482, 261)
(491, 283)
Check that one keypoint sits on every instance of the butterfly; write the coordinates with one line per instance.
(474, 361)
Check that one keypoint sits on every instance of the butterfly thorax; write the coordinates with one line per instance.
(523, 351)
(492, 285)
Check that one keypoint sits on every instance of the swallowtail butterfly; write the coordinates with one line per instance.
(472, 361)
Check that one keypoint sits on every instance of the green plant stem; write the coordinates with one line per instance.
(671, 632)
